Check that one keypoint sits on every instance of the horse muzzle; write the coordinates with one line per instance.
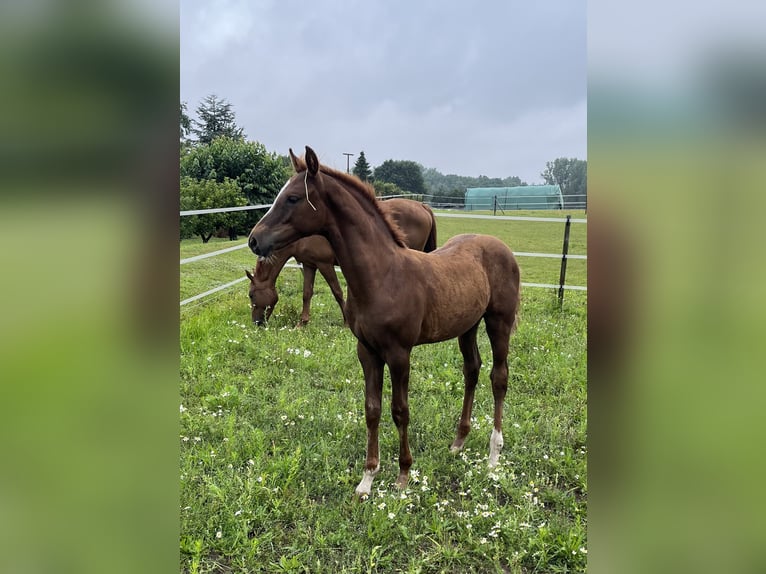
(252, 244)
(259, 249)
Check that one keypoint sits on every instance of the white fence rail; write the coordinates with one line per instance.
(213, 253)
(224, 209)
(459, 215)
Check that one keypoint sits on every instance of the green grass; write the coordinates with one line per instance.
(273, 443)
(531, 237)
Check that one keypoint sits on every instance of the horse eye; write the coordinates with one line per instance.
(292, 199)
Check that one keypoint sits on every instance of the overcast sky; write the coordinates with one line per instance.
(494, 88)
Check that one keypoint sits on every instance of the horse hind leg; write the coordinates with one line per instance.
(499, 332)
(399, 368)
(309, 275)
(328, 272)
(471, 369)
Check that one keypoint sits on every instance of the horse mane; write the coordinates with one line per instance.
(364, 189)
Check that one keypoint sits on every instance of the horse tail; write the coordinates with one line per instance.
(431, 241)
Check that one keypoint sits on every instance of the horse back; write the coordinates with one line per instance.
(415, 220)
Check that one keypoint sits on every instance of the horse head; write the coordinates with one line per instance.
(297, 210)
(263, 299)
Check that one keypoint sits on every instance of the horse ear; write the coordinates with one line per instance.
(249, 275)
(312, 161)
(293, 159)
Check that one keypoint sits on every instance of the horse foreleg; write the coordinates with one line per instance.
(309, 274)
(499, 333)
(372, 365)
(328, 272)
(471, 369)
(399, 367)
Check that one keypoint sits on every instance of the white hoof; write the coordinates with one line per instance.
(495, 446)
(365, 486)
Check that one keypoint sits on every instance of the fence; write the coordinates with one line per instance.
(564, 256)
(570, 201)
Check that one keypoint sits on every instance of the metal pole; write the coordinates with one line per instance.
(348, 159)
(565, 250)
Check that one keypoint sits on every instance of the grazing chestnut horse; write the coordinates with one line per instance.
(416, 220)
(399, 298)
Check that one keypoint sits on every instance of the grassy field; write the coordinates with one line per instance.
(273, 437)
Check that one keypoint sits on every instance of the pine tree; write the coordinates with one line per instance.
(362, 169)
(216, 118)
(185, 122)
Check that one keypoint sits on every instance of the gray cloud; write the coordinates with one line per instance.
(493, 88)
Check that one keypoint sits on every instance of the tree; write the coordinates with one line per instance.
(216, 119)
(385, 189)
(362, 169)
(258, 173)
(185, 122)
(210, 194)
(450, 188)
(408, 175)
(570, 174)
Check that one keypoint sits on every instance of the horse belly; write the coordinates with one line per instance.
(313, 250)
(452, 313)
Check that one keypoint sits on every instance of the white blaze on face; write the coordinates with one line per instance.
(284, 187)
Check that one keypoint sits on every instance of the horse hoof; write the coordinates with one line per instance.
(456, 446)
(361, 496)
(495, 446)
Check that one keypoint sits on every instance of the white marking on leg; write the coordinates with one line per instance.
(365, 486)
(495, 446)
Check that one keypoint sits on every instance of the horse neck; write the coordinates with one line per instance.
(360, 237)
(267, 270)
